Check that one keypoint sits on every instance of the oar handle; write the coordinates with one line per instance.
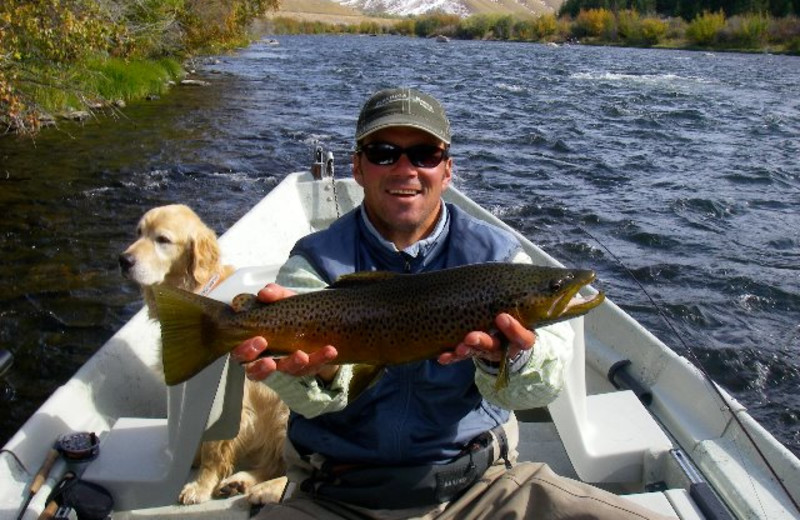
(50, 511)
(44, 471)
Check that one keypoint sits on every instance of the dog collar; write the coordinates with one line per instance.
(210, 285)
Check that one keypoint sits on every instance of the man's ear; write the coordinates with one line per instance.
(358, 175)
(448, 173)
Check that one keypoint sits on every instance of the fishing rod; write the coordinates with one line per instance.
(699, 366)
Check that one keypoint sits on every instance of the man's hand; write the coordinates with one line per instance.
(486, 346)
(298, 363)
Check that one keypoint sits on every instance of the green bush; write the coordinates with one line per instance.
(438, 23)
(546, 26)
(629, 26)
(502, 27)
(653, 31)
(594, 23)
(406, 27)
(705, 28)
(474, 27)
(525, 30)
(748, 31)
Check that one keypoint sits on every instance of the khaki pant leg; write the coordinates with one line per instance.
(533, 491)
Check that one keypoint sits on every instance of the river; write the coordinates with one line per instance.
(683, 166)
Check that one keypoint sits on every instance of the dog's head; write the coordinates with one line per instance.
(174, 247)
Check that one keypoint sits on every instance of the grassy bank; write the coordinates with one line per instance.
(708, 31)
(62, 56)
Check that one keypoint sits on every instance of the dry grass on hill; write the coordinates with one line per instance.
(323, 11)
(328, 11)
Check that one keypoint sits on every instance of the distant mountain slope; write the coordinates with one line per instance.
(418, 7)
(325, 11)
(407, 7)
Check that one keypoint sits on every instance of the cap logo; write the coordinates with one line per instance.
(424, 104)
(403, 97)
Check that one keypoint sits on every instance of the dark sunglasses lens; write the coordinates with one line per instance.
(421, 155)
(425, 156)
(382, 153)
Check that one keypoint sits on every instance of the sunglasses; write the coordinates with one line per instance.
(420, 155)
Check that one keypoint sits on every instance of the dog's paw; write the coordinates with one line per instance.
(236, 484)
(267, 492)
(194, 493)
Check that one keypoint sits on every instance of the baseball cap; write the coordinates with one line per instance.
(403, 107)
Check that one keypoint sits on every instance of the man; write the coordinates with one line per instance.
(432, 439)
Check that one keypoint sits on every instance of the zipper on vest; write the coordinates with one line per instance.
(406, 262)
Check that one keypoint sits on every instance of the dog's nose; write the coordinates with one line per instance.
(126, 261)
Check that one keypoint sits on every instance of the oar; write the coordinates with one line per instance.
(40, 478)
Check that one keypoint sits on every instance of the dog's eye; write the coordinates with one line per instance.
(161, 239)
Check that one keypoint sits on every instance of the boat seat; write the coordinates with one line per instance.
(608, 437)
(144, 462)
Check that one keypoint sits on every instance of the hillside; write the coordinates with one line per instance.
(342, 11)
(325, 11)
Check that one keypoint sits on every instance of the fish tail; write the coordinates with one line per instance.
(192, 332)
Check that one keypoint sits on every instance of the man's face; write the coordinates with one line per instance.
(402, 200)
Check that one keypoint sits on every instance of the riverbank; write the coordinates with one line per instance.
(82, 59)
(624, 28)
(69, 58)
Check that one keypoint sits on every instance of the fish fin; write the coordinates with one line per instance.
(364, 376)
(191, 336)
(362, 278)
(245, 302)
(501, 381)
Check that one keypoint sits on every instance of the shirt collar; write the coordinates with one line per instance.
(415, 249)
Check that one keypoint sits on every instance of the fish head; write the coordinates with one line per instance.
(552, 295)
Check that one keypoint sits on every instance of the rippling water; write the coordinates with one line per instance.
(683, 164)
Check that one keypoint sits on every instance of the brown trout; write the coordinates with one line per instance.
(373, 318)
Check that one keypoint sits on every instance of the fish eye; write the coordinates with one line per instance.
(556, 285)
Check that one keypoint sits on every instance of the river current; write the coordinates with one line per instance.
(681, 167)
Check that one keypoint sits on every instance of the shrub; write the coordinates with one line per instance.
(546, 26)
(676, 28)
(525, 30)
(474, 27)
(705, 28)
(593, 22)
(437, 23)
(784, 29)
(629, 26)
(405, 27)
(653, 30)
(749, 31)
(502, 27)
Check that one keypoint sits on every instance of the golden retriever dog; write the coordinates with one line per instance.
(175, 247)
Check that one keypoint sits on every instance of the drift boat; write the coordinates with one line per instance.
(634, 417)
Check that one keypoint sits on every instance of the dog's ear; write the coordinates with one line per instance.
(205, 256)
